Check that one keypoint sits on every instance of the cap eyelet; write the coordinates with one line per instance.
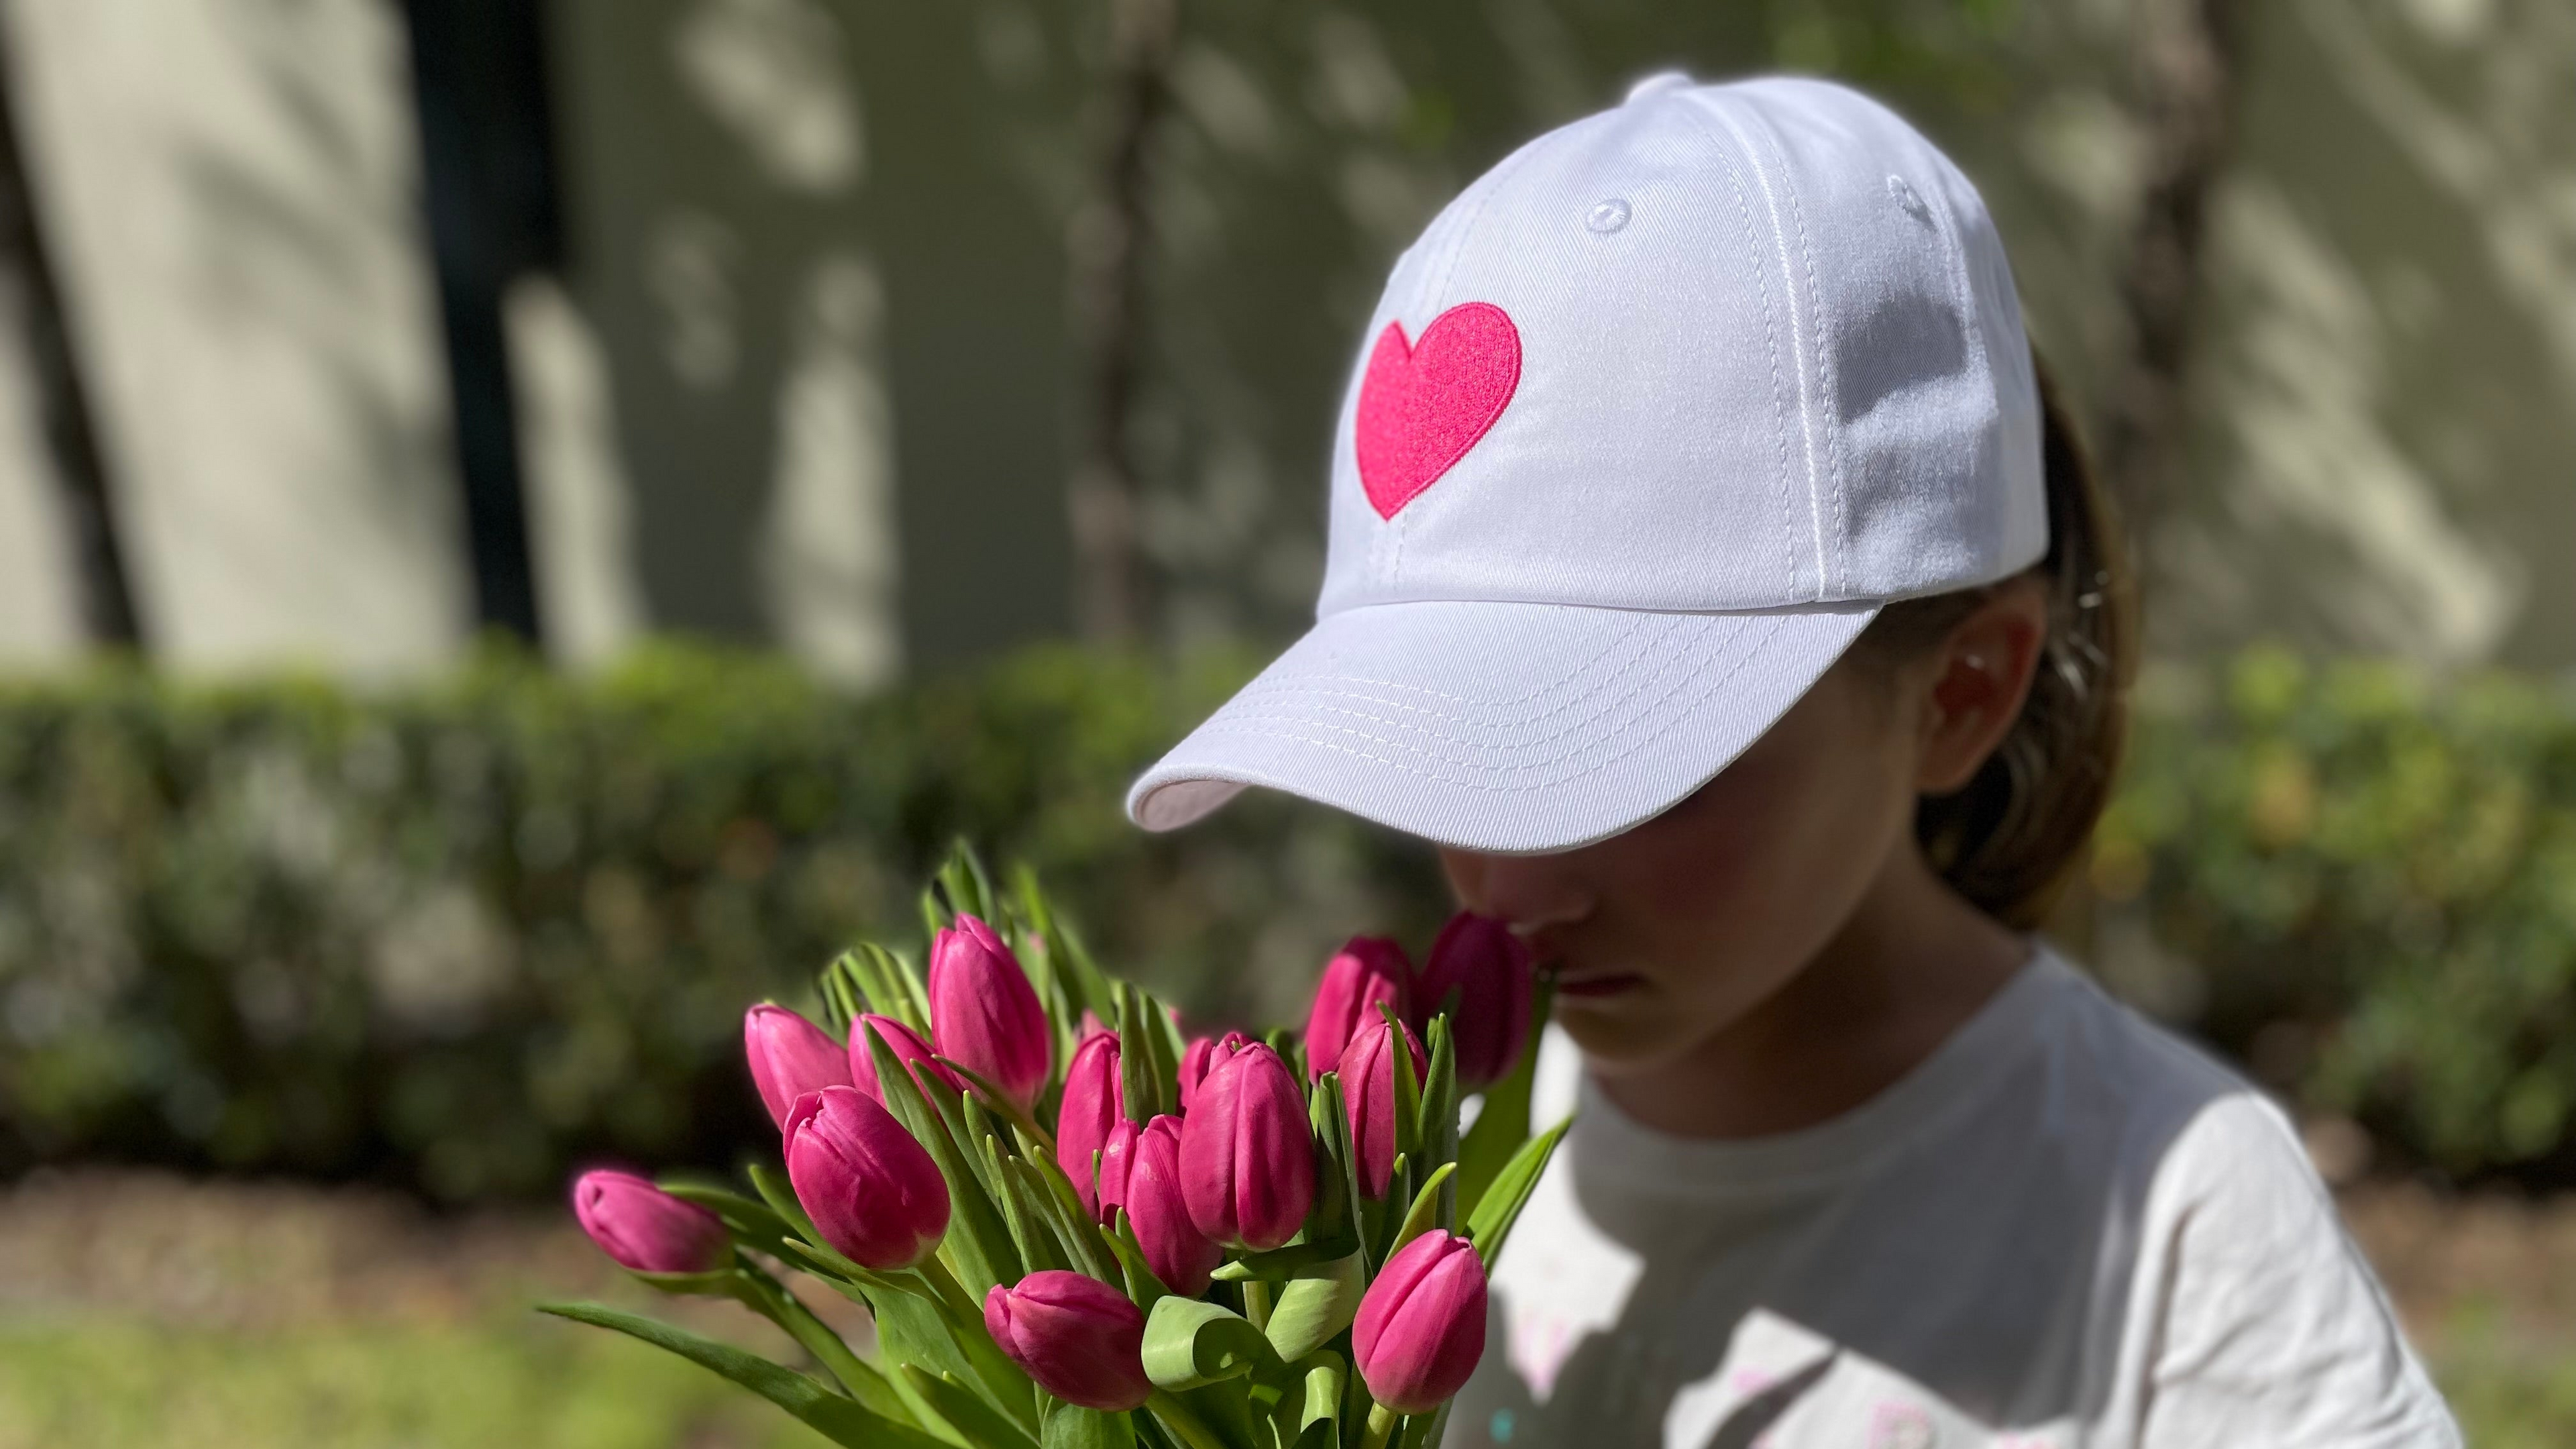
(1607, 215)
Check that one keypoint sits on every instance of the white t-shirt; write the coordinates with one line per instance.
(2065, 1227)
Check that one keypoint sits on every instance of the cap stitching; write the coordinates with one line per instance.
(1818, 316)
(1770, 333)
(1780, 245)
(1633, 643)
(1597, 766)
(1588, 696)
(1683, 663)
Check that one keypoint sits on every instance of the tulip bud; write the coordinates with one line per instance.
(873, 1192)
(1093, 1104)
(1367, 1071)
(1421, 1326)
(1493, 974)
(1091, 1026)
(907, 1046)
(1079, 1338)
(1247, 1156)
(1117, 1166)
(1202, 1055)
(1181, 1256)
(1368, 971)
(789, 1057)
(984, 1015)
(646, 1229)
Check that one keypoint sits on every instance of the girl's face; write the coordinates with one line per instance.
(1663, 937)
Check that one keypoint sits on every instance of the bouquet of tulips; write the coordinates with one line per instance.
(1072, 1227)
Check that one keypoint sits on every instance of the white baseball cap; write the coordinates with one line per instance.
(1647, 427)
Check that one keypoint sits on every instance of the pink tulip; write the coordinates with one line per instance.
(1368, 971)
(1247, 1156)
(1493, 973)
(789, 1057)
(647, 1229)
(1421, 1326)
(1181, 1256)
(1079, 1338)
(984, 1015)
(907, 1046)
(1093, 1104)
(1368, 1093)
(873, 1192)
(1091, 1026)
(1202, 1055)
(1117, 1166)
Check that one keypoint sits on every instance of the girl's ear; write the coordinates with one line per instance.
(1979, 677)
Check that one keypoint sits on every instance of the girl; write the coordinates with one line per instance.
(1713, 579)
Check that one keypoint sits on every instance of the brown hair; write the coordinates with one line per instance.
(2009, 839)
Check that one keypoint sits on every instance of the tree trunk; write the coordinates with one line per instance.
(62, 398)
(1109, 281)
(2187, 64)
(479, 88)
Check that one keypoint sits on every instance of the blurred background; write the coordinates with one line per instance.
(528, 524)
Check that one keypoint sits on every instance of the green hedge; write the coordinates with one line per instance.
(459, 936)
(2366, 885)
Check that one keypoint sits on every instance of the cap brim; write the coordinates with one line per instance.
(1502, 727)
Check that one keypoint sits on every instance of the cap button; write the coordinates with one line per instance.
(1657, 84)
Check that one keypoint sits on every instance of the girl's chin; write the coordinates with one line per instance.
(1621, 1031)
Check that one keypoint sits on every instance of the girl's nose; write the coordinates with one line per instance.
(1527, 892)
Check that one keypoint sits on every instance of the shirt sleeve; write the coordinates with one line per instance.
(2270, 1328)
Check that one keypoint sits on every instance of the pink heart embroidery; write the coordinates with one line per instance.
(1423, 405)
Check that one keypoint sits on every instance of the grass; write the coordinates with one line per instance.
(145, 1312)
(2508, 1391)
(111, 1384)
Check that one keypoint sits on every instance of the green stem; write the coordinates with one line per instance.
(1011, 1391)
(1256, 1303)
(1183, 1421)
(772, 1300)
(1381, 1424)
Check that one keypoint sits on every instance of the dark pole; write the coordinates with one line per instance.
(2187, 64)
(62, 399)
(1109, 284)
(487, 173)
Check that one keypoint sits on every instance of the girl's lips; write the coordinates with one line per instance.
(1607, 983)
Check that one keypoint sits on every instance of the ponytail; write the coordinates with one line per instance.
(2009, 839)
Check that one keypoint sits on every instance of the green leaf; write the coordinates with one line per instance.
(1326, 1374)
(1311, 1309)
(1423, 1431)
(1142, 1285)
(1071, 1426)
(1032, 1230)
(829, 1414)
(755, 1222)
(780, 1194)
(1425, 1213)
(1503, 1123)
(1492, 1221)
(772, 1300)
(1148, 1081)
(1278, 1265)
(1438, 1129)
(1075, 1228)
(981, 1424)
(1338, 1121)
(1408, 1094)
(1190, 1342)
